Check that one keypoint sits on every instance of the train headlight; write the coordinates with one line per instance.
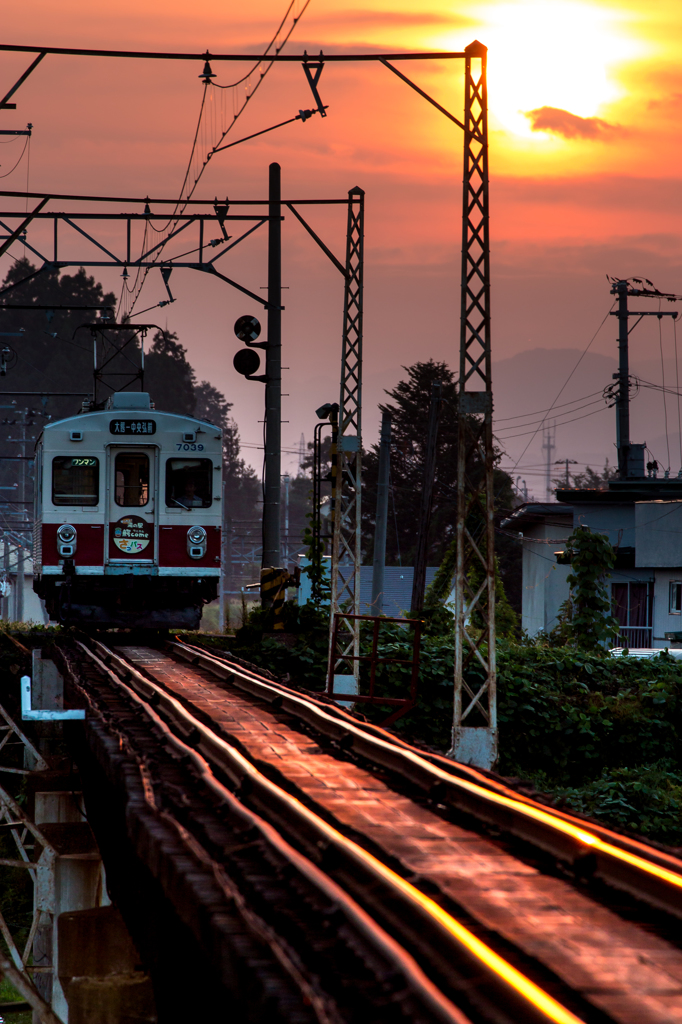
(196, 542)
(66, 540)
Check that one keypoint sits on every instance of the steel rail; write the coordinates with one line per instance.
(477, 775)
(198, 736)
(506, 988)
(252, 58)
(649, 875)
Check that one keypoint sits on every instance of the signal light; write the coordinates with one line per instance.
(246, 362)
(247, 328)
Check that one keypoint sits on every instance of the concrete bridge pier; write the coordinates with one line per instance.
(86, 966)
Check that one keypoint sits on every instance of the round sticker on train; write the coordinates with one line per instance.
(132, 535)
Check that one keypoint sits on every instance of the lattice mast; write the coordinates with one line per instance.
(347, 481)
(474, 735)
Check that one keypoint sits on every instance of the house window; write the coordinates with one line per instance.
(675, 597)
(633, 607)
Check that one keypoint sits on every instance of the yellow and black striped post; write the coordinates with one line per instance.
(273, 585)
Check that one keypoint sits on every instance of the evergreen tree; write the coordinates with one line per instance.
(242, 489)
(168, 377)
(409, 431)
(53, 354)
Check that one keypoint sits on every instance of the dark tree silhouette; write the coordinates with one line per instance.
(410, 412)
(52, 354)
(168, 377)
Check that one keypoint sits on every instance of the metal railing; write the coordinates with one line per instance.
(635, 636)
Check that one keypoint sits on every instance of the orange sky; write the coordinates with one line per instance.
(598, 191)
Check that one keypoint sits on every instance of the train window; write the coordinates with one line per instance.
(189, 483)
(132, 479)
(75, 481)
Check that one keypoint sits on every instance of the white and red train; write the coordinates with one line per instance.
(128, 516)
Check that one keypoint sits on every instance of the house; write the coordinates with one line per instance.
(642, 519)
(397, 596)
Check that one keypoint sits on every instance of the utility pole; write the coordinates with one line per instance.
(631, 456)
(566, 463)
(272, 557)
(548, 445)
(419, 578)
(381, 521)
(623, 377)
(287, 478)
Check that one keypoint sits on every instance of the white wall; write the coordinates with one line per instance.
(659, 533)
(664, 621)
(617, 521)
(544, 582)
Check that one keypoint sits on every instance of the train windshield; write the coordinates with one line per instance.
(189, 483)
(75, 481)
(132, 479)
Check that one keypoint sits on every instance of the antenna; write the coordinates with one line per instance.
(549, 445)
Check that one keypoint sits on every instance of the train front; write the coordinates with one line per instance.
(128, 517)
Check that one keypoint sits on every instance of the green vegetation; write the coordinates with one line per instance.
(602, 734)
(585, 618)
(55, 355)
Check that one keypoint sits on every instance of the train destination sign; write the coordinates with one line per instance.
(136, 427)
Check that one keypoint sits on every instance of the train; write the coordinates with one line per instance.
(128, 516)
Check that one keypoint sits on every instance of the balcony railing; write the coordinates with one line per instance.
(635, 636)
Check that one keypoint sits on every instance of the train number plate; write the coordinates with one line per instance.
(139, 428)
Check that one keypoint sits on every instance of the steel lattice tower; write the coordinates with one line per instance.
(474, 736)
(347, 460)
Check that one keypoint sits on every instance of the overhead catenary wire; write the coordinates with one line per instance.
(21, 157)
(187, 190)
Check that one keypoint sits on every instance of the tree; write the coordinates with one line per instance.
(410, 413)
(53, 355)
(587, 619)
(168, 377)
(589, 480)
(242, 489)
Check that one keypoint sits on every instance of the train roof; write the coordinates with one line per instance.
(126, 402)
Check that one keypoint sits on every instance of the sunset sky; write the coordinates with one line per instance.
(585, 104)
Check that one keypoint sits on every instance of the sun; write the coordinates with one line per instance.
(552, 53)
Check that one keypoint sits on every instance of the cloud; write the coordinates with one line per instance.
(570, 126)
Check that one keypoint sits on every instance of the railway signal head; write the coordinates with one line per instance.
(247, 328)
(246, 362)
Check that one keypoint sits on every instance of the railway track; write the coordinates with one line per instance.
(372, 882)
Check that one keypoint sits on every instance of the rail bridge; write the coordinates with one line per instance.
(270, 856)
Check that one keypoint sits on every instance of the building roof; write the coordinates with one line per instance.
(533, 513)
(623, 491)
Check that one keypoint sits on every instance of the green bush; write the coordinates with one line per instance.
(646, 799)
(603, 734)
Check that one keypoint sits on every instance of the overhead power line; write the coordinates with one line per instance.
(538, 412)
